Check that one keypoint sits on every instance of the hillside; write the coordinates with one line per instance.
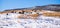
(46, 10)
(52, 7)
(47, 16)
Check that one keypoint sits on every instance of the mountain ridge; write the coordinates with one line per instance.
(51, 7)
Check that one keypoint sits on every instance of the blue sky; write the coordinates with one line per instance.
(9, 4)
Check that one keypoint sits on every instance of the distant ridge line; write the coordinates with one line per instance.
(51, 7)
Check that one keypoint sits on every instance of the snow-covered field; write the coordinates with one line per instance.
(10, 21)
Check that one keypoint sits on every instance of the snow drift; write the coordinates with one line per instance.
(10, 21)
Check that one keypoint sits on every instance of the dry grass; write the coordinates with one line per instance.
(55, 14)
(33, 16)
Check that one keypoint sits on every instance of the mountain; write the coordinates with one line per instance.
(52, 7)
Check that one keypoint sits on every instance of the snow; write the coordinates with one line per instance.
(10, 21)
